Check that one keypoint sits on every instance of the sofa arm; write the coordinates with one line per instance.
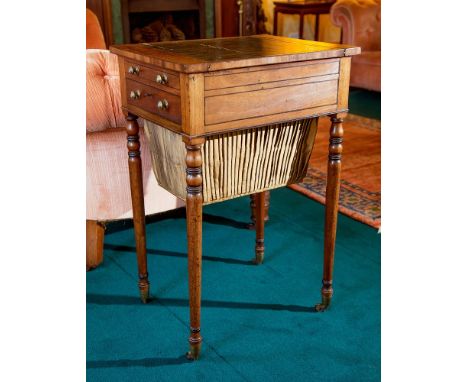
(360, 21)
(103, 102)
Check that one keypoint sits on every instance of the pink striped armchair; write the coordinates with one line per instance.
(107, 180)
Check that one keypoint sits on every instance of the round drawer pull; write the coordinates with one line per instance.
(134, 70)
(163, 104)
(135, 94)
(161, 79)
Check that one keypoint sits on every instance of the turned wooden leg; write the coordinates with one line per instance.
(275, 23)
(138, 202)
(317, 27)
(193, 207)
(253, 209)
(94, 243)
(301, 25)
(331, 209)
(259, 227)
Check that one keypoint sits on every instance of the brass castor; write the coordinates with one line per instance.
(323, 306)
(259, 251)
(258, 259)
(144, 293)
(194, 353)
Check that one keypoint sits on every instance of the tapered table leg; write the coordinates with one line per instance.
(136, 188)
(253, 209)
(335, 149)
(194, 202)
(259, 227)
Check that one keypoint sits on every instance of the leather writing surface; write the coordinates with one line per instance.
(192, 56)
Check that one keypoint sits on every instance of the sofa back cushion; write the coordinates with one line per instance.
(94, 36)
(103, 102)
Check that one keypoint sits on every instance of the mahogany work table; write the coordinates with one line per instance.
(230, 117)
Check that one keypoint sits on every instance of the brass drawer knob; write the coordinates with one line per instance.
(161, 79)
(134, 70)
(163, 104)
(135, 94)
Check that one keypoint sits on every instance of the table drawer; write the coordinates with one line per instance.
(154, 100)
(153, 75)
(266, 74)
(263, 102)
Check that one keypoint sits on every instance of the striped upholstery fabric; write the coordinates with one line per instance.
(103, 104)
(107, 182)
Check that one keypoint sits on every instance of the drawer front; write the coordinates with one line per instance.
(265, 74)
(151, 76)
(149, 97)
(263, 102)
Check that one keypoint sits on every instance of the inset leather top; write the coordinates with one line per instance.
(195, 56)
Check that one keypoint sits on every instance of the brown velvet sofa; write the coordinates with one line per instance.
(360, 22)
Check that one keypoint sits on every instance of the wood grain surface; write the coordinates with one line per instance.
(191, 56)
(249, 104)
(148, 75)
(263, 74)
(149, 98)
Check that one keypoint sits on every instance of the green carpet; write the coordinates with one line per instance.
(364, 102)
(257, 321)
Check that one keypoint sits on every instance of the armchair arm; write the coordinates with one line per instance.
(103, 102)
(360, 20)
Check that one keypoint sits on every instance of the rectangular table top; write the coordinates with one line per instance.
(195, 56)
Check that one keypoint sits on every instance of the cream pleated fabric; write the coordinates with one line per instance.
(236, 163)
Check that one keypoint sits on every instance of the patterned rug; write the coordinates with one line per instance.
(360, 174)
